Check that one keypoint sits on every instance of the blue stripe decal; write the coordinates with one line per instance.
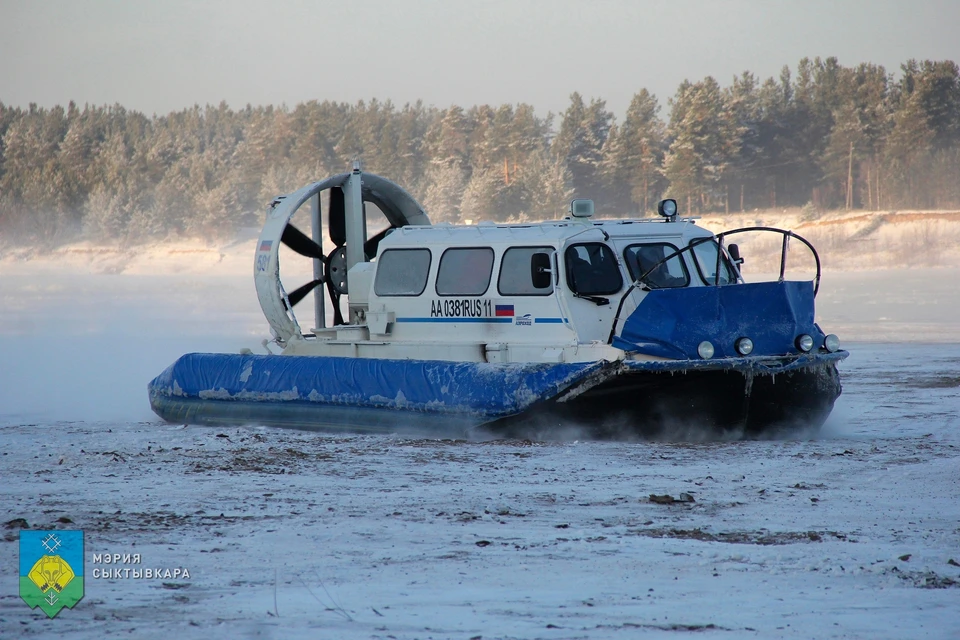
(482, 320)
(550, 320)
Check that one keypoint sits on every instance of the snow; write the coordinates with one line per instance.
(847, 533)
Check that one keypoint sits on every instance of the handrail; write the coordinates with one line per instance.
(719, 237)
(783, 252)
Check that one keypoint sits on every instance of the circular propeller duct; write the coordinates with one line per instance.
(347, 231)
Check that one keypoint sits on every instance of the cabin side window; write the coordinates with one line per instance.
(516, 277)
(592, 269)
(465, 271)
(641, 258)
(402, 272)
(705, 255)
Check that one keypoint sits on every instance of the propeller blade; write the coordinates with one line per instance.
(337, 217)
(302, 292)
(300, 242)
(371, 245)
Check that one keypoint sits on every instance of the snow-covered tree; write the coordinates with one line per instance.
(635, 154)
(547, 182)
(704, 144)
(583, 132)
(446, 181)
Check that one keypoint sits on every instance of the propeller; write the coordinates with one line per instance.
(337, 217)
(372, 244)
(304, 245)
(301, 242)
(302, 292)
(334, 263)
(335, 269)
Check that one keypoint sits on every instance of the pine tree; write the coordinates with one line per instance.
(547, 182)
(447, 181)
(614, 175)
(450, 138)
(583, 132)
(743, 112)
(413, 123)
(908, 151)
(639, 152)
(938, 87)
(703, 147)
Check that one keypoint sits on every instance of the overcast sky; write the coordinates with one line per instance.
(161, 56)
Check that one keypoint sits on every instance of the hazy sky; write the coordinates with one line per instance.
(163, 56)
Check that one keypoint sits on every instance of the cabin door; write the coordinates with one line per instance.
(594, 278)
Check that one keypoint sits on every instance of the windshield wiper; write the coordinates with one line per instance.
(597, 300)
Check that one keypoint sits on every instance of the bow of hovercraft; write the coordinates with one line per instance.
(744, 359)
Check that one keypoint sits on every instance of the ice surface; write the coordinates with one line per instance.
(290, 534)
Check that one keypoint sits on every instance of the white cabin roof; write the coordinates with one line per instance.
(551, 232)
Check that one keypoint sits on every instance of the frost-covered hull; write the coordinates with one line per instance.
(449, 399)
(354, 393)
(677, 400)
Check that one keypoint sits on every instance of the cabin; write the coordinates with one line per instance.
(543, 292)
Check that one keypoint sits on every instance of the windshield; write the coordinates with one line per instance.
(644, 258)
(705, 255)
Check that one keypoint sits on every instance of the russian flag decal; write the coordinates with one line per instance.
(504, 310)
(266, 245)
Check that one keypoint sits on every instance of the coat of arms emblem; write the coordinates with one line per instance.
(51, 569)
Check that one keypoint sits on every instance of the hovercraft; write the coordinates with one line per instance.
(620, 327)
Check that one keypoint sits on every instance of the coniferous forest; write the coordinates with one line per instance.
(821, 136)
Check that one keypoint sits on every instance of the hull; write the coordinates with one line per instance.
(737, 401)
(648, 399)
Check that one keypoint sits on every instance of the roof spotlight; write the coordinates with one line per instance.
(744, 346)
(581, 208)
(804, 342)
(667, 208)
(705, 349)
(831, 343)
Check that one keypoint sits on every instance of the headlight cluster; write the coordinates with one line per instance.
(831, 343)
(744, 345)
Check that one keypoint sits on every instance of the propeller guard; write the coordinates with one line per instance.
(399, 207)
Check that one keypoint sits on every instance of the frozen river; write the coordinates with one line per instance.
(851, 533)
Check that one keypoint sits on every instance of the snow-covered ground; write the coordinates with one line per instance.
(853, 533)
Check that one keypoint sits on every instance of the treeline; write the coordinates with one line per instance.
(823, 136)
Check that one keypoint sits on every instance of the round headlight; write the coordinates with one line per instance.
(804, 343)
(744, 346)
(667, 208)
(831, 343)
(705, 349)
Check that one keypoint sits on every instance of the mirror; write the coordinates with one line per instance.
(540, 270)
(734, 252)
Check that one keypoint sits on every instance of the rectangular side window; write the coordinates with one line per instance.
(402, 272)
(465, 272)
(515, 276)
(641, 258)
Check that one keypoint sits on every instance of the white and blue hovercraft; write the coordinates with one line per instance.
(625, 327)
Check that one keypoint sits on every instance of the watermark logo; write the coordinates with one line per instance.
(51, 569)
